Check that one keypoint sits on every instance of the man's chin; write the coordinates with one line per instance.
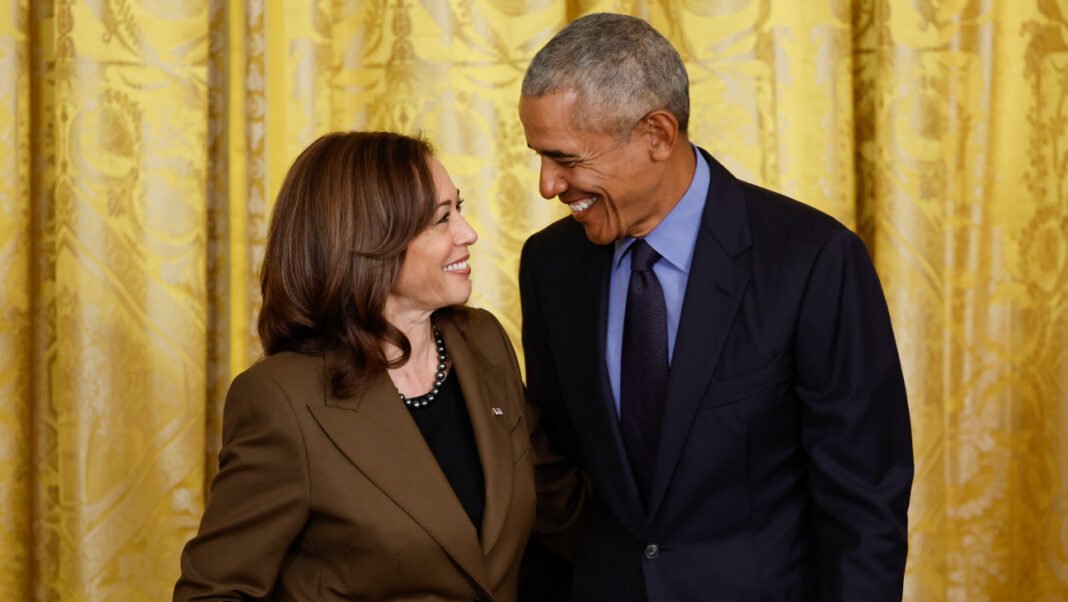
(597, 235)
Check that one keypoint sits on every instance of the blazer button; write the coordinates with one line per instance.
(652, 551)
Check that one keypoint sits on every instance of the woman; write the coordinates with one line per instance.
(380, 450)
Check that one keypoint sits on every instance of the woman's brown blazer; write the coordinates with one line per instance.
(320, 498)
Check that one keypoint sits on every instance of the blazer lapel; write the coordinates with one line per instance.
(376, 433)
(483, 384)
(714, 292)
(586, 313)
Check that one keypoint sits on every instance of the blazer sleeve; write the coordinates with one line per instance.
(854, 425)
(258, 502)
(562, 488)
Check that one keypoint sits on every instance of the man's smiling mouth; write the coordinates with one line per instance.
(583, 204)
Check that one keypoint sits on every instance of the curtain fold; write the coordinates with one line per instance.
(964, 208)
(141, 145)
(16, 302)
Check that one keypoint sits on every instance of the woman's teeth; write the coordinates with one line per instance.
(459, 265)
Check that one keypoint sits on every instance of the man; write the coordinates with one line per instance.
(717, 357)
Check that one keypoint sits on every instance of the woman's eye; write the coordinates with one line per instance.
(444, 218)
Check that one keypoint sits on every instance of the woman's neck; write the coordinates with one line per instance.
(416, 376)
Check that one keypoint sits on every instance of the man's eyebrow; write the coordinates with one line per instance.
(553, 154)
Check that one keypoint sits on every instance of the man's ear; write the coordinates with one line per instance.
(661, 130)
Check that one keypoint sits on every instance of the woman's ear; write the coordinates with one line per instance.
(661, 130)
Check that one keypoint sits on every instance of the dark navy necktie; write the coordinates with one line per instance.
(644, 366)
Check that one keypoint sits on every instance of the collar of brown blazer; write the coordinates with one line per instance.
(374, 430)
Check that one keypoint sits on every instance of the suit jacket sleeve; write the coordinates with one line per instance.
(258, 502)
(562, 487)
(855, 425)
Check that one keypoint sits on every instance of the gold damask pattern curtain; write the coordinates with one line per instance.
(141, 143)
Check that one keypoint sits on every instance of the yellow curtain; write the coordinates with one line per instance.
(141, 144)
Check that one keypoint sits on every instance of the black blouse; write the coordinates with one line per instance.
(446, 427)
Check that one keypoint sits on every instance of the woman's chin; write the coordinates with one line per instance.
(463, 296)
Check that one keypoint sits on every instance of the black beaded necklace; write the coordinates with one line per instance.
(424, 400)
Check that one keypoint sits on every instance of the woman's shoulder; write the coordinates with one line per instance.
(286, 370)
(481, 318)
(475, 323)
(271, 392)
(483, 331)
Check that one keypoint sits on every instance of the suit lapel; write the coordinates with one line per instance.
(714, 291)
(482, 385)
(376, 433)
(585, 311)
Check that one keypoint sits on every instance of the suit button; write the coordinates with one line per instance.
(652, 551)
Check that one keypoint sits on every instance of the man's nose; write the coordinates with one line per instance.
(551, 179)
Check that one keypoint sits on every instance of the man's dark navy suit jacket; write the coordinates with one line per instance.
(785, 464)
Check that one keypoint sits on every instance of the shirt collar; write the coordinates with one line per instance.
(676, 235)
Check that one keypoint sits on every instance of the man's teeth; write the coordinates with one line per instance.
(459, 265)
(584, 204)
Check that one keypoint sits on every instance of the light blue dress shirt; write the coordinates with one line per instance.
(674, 239)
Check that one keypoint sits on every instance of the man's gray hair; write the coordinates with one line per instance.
(619, 67)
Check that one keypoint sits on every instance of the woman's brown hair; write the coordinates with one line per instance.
(349, 206)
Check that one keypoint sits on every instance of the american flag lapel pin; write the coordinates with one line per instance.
(498, 412)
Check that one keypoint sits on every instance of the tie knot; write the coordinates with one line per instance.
(642, 256)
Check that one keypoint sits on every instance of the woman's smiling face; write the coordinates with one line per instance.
(436, 272)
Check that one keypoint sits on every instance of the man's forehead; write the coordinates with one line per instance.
(549, 109)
